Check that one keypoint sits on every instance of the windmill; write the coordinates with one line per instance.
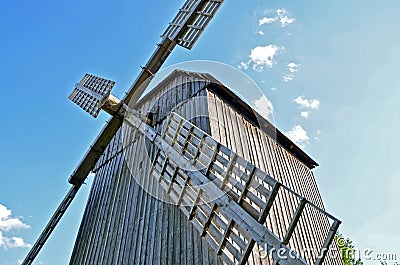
(231, 219)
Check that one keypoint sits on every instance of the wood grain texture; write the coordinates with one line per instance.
(128, 219)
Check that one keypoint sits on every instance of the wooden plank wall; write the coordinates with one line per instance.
(124, 224)
(233, 130)
(128, 219)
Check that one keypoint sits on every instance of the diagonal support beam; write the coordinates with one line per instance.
(51, 225)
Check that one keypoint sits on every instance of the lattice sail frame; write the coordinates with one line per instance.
(251, 188)
(89, 91)
(195, 27)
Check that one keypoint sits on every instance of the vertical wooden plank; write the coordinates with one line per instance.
(82, 234)
(190, 260)
(178, 234)
(184, 250)
(213, 117)
(144, 232)
(291, 201)
(111, 217)
(236, 134)
(133, 216)
(301, 232)
(204, 247)
(101, 215)
(227, 122)
(114, 219)
(306, 221)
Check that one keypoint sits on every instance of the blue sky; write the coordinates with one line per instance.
(336, 61)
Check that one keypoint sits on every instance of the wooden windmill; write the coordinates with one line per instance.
(172, 188)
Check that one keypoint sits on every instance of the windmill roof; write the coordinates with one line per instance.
(241, 107)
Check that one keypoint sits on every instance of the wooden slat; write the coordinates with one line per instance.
(160, 221)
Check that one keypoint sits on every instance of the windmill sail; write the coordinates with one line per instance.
(89, 91)
(225, 197)
(203, 12)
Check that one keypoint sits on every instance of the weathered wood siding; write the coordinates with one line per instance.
(124, 224)
(237, 132)
(128, 219)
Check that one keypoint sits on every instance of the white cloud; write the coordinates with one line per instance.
(287, 78)
(304, 114)
(293, 67)
(281, 17)
(263, 106)
(13, 242)
(307, 103)
(260, 32)
(8, 222)
(316, 138)
(266, 20)
(264, 55)
(261, 57)
(298, 135)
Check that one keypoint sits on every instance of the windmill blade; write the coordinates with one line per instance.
(51, 225)
(89, 91)
(226, 198)
(238, 187)
(204, 11)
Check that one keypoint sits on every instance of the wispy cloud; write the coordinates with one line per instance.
(261, 57)
(287, 78)
(304, 114)
(298, 135)
(12, 242)
(7, 223)
(307, 103)
(267, 20)
(263, 106)
(281, 16)
(293, 67)
(316, 138)
(260, 32)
